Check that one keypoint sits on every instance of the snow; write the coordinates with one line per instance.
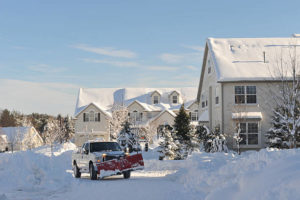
(237, 59)
(104, 98)
(247, 115)
(266, 174)
(11, 132)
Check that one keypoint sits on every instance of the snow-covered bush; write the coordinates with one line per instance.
(168, 148)
(212, 141)
(128, 139)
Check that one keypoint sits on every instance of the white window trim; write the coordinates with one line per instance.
(258, 134)
(245, 87)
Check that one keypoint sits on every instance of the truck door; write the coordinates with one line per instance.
(85, 156)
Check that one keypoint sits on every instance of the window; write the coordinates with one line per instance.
(175, 99)
(97, 117)
(203, 104)
(251, 94)
(217, 95)
(137, 116)
(85, 117)
(155, 100)
(249, 133)
(92, 116)
(194, 115)
(206, 103)
(217, 100)
(245, 94)
(208, 67)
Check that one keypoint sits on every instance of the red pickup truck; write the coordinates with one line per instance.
(102, 159)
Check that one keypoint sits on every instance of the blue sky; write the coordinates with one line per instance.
(59, 46)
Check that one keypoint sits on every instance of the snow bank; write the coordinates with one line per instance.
(35, 170)
(267, 174)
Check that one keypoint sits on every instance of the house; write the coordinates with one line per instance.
(19, 138)
(238, 78)
(146, 107)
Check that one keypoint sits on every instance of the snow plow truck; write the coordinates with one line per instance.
(102, 159)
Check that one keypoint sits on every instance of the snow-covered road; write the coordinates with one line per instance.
(267, 174)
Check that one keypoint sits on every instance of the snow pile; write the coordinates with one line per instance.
(267, 174)
(35, 170)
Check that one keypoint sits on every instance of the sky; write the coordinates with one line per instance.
(51, 48)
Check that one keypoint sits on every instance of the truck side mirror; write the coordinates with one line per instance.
(84, 151)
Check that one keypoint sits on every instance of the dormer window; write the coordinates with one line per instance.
(155, 100)
(175, 99)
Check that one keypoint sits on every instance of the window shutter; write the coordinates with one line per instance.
(84, 117)
(98, 117)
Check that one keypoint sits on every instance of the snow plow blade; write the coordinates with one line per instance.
(117, 166)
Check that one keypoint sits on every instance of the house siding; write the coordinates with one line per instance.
(91, 130)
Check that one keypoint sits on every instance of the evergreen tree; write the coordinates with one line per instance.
(212, 141)
(182, 125)
(193, 143)
(278, 135)
(126, 137)
(168, 149)
(7, 119)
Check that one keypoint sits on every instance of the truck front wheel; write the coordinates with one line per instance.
(93, 173)
(76, 171)
(126, 174)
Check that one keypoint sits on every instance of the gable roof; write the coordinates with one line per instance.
(240, 59)
(147, 107)
(19, 132)
(161, 113)
(83, 108)
(104, 98)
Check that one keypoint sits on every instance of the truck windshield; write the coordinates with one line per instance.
(104, 146)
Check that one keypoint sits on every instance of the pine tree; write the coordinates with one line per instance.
(193, 142)
(213, 141)
(182, 124)
(126, 138)
(278, 135)
(168, 148)
(7, 119)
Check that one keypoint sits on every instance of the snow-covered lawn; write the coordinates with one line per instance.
(268, 174)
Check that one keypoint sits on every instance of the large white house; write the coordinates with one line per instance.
(238, 78)
(146, 106)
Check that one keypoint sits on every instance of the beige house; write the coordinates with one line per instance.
(146, 107)
(19, 138)
(238, 78)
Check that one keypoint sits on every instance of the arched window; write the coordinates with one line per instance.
(92, 116)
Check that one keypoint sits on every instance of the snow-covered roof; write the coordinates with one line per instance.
(250, 59)
(204, 116)
(104, 98)
(20, 132)
(247, 115)
(161, 113)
